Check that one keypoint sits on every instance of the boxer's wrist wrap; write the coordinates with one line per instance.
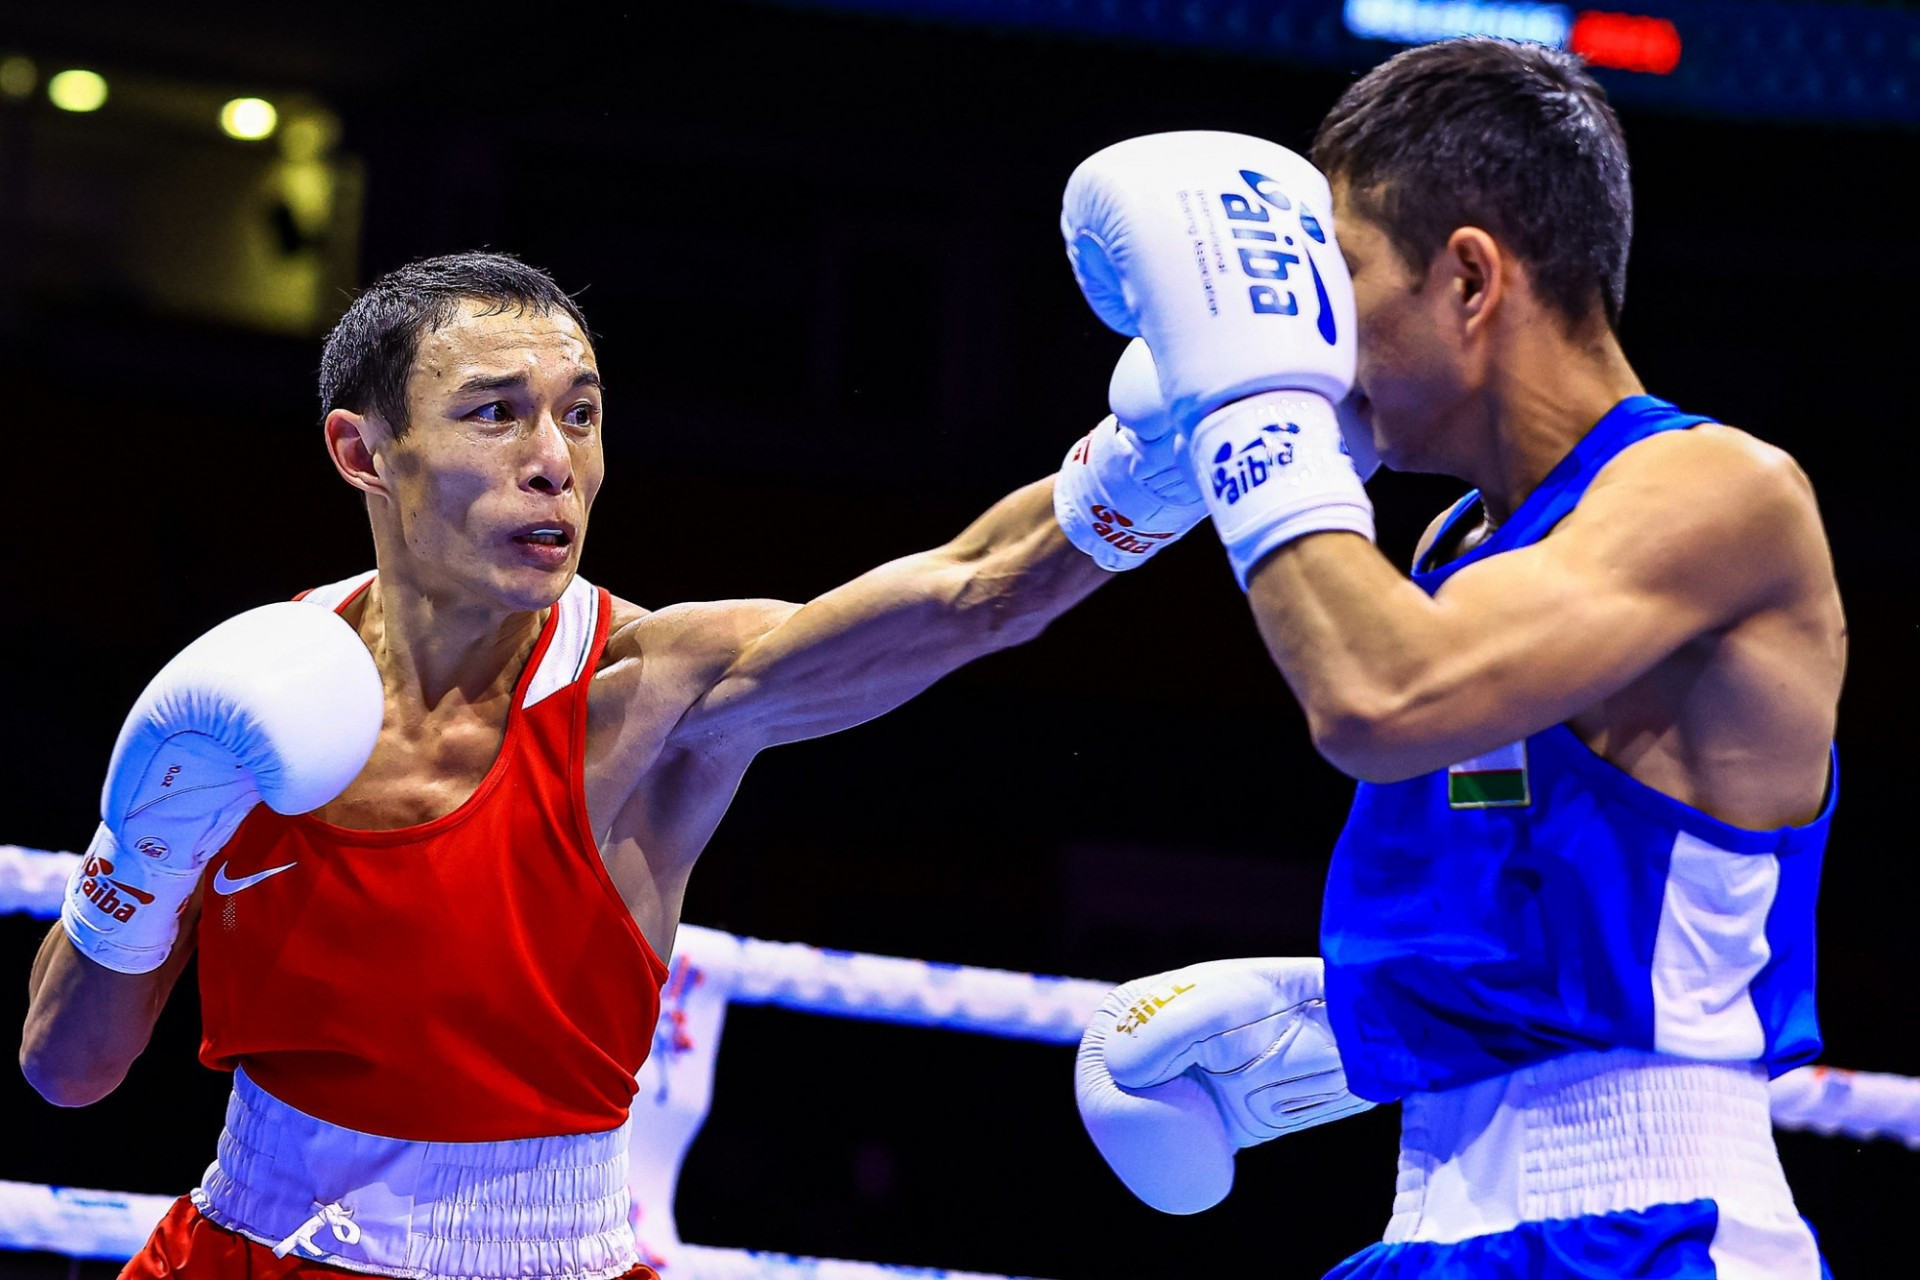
(1113, 503)
(1272, 468)
(121, 914)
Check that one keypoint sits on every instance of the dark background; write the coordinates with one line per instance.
(821, 258)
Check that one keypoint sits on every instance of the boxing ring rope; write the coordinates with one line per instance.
(711, 970)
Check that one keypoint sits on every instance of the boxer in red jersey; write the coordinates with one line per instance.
(432, 957)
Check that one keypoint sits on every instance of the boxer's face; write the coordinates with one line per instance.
(1412, 378)
(493, 478)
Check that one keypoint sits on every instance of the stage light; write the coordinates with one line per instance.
(18, 75)
(77, 90)
(249, 119)
(1418, 21)
(1626, 42)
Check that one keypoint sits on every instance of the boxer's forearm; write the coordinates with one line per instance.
(1392, 684)
(996, 584)
(1325, 608)
(868, 646)
(86, 1023)
(1018, 571)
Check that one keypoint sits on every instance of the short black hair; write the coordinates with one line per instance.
(1514, 138)
(369, 353)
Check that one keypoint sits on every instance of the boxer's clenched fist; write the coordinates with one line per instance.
(1178, 1071)
(280, 703)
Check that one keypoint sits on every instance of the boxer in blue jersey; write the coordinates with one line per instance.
(1569, 923)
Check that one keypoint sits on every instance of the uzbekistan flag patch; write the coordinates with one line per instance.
(1496, 780)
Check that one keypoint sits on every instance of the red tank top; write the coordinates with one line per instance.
(471, 979)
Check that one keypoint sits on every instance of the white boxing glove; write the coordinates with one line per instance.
(1218, 249)
(1179, 1071)
(1123, 491)
(280, 703)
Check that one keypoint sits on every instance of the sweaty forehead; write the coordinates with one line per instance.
(480, 341)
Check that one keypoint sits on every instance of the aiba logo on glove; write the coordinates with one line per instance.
(98, 889)
(1236, 472)
(1112, 527)
(1266, 259)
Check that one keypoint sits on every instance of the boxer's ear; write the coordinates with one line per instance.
(1476, 269)
(354, 442)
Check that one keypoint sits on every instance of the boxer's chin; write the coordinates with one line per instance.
(528, 587)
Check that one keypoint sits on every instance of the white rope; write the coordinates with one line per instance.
(77, 1222)
(108, 1224)
(996, 1002)
(32, 880)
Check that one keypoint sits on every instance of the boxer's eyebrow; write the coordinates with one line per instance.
(517, 381)
(496, 382)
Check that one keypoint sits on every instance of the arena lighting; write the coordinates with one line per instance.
(77, 90)
(1418, 21)
(17, 76)
(1622, 41)
(1626, 42)
(249, 119)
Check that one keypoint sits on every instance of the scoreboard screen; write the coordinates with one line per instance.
(1753, 59)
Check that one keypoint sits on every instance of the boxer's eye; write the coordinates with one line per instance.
(497, 411)
(583, 415)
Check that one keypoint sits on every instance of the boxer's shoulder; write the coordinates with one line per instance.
(693, 634)
(1712, 460)
(1712, 487)
(667, 658)
(1711, 531)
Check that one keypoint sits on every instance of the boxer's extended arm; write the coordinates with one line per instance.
(868, 646)
(86, 1023)
(1682, 535)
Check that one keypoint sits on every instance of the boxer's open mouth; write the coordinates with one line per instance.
(545, 535)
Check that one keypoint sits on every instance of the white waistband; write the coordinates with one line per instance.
(1589, 1133)
(554, 1207)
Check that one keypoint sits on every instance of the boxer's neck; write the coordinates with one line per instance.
(429, 646)
(1542, 396)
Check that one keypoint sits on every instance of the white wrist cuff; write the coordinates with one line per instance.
(122, 922)
(1106, 508)
(1272, 468)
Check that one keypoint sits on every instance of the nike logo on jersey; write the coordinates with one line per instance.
(223, 884)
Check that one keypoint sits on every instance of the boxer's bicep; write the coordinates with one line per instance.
(1678, 544)
(1533, 637)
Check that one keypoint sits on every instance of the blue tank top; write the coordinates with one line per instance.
(1536, 900)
